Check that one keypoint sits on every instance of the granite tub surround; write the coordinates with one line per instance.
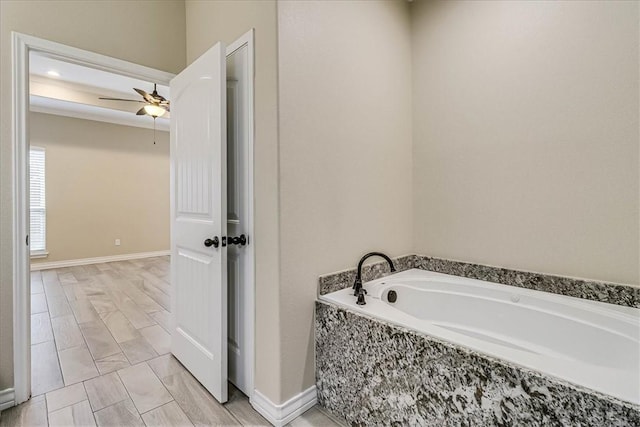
(342, 279)
(370, 372)
(612, 293)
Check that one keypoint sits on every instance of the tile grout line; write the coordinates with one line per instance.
(162, 383)
(55, 347)
(231, 414)
(110, 333)
(174, 398)
(81, 334)
(128, 396)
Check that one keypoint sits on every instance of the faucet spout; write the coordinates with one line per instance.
(357, 285)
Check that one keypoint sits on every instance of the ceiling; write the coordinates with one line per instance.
(76, 89)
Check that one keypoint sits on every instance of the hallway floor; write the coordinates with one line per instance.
(100, 355)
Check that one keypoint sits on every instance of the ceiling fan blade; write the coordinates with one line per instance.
(145, 95)
(121, 99)
(141, 112)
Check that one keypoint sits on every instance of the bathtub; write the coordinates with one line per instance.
(586, 343)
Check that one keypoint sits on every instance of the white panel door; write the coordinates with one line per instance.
(199, 220)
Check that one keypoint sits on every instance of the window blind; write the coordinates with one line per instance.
(37, 239)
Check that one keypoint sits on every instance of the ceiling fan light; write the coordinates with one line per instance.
(154, 110)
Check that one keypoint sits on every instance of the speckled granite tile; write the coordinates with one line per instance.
(612, 293)
(342, 279)
(370, 372)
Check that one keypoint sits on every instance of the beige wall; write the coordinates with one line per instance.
(526, 135)
(345, 153)
(150, 33)
(103, 182)
(207, 23)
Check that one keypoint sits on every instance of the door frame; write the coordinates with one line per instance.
(247, 40)
(21, 46)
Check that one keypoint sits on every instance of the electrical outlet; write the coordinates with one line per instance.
(117, 242)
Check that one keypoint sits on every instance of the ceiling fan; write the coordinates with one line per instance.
(156, 104)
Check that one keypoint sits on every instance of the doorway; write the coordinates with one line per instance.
(241, 334)
(97, 306)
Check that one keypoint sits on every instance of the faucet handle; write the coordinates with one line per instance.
(358, 289)
(361, 300)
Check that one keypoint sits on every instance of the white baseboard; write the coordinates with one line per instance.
(97, 260)
(7, 398)
(279, 415)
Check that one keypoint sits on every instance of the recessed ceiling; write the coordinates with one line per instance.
(40, 104)
(75, 90)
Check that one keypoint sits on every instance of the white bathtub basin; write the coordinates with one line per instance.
(591, 344)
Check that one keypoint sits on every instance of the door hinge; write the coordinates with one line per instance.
(27, 240)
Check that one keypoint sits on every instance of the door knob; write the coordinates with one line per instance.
(215, 242)
(240, 240)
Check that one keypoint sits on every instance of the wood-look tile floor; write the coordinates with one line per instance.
(100, 355)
